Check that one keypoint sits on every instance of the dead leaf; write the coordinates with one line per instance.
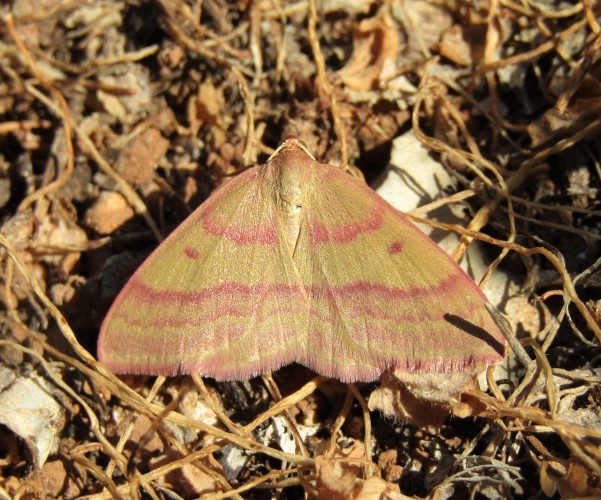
(207, 108)
(454, 46)
(578, 482)
(335, 479)
(339, 480)
(422, 398)
(375, 49)
(376, 488)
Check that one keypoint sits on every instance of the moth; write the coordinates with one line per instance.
(298, 261)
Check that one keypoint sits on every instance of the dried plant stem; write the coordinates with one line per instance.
(64, 113)
(323, 80)
(367, 420)
(556, 262)
(132, 197)
(274, 390)
(203, 50)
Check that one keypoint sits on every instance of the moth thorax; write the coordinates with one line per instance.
(289, 204)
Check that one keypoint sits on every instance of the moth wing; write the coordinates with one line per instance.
(220, 296)
(383, 295)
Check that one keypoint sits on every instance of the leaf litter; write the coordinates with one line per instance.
(118, 118)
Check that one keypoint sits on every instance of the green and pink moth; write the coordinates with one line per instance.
(298, 261)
